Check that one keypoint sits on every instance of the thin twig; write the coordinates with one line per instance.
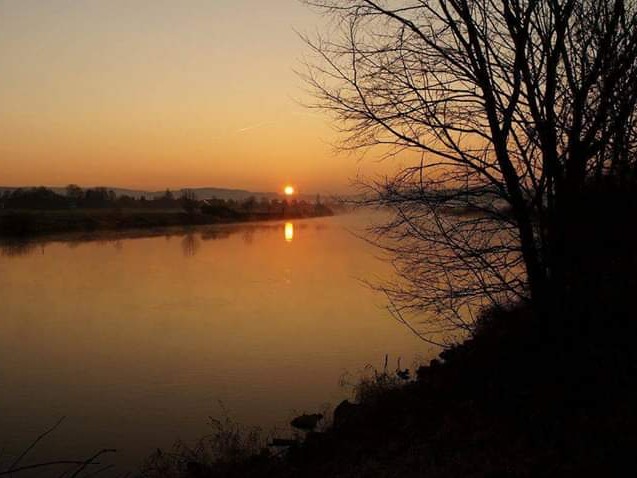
(48, 463)
(104, 468)
(90, 460)
(30, 447)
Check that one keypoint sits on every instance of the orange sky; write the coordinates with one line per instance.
(160, 93)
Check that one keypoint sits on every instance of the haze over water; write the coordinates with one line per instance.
(137, 340)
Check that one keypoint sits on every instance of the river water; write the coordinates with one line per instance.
(137, 340)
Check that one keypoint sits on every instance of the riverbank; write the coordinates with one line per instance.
(33, 223)
(505, 403)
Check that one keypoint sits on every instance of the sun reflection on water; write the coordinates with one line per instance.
(289, 232)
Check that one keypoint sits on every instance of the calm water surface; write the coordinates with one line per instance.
(138, 340)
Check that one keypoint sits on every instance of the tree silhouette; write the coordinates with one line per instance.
(74, 192)
(510, 109)
(189, 201)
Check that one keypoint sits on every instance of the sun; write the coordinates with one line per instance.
(288, 190)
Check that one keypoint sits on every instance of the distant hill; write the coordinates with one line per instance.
(201, 193)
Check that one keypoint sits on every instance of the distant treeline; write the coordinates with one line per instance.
(42, 198)
(32, 211)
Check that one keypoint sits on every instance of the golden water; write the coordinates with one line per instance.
(138, 340)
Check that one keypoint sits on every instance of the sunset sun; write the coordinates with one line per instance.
(288, 190)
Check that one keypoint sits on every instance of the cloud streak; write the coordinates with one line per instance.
(255, 126)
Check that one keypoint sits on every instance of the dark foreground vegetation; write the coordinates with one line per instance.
(525, 395)
(503, 404)
(27, 212)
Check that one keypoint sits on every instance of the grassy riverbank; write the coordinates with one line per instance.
(505, 403)
(35, 223)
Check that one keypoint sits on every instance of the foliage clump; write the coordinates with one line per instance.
(228, 447)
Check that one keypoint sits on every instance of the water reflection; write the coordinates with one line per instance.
(289, 232)
(18, 247)
(190, 240)
(248, 236)
(190, 245)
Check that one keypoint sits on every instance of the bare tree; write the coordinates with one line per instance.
(508, 109)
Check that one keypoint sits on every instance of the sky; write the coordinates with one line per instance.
(151, 94)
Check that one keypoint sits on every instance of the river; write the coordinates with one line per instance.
(137, 340)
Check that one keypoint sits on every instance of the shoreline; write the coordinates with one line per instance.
(502, 403)
(29, 225)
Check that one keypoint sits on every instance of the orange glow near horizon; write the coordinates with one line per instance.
(153, 95)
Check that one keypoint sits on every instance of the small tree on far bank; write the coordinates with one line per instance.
(249, 204)
(74, 192)
(510, 112)
(189, 201)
